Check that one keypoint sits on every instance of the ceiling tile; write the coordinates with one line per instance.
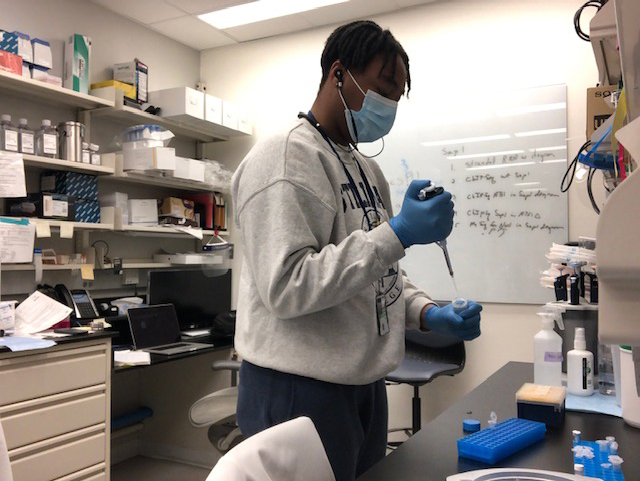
(143, 11)
(197, 7)
(269, 28)
(193, 32)
(412, 3)
(350, 10)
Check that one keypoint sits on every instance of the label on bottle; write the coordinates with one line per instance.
(26, 140)
(10, 140)
(550, 356)
(587, 380)
(50, 144)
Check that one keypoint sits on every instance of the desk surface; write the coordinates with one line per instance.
(432, 454)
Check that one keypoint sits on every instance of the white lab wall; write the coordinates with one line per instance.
(454, 45)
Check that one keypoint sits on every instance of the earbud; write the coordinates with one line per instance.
(339, 77)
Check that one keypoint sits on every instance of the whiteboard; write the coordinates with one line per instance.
(502, 156)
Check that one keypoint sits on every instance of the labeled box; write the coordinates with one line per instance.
(599, 107)
(182, 168)
(181, 103)
(10, 62)
(128, 90)
(149, 158)
(45, 205)
(544, 404)
(229, 115)
(42, 53)
(245, 124)
(136, 74)
(196, 170)
(87, 211)
(9, 42)
(213, 109)
(82, 186)
(143, 212)
(175, 207)
(77, 54)
(25, 50)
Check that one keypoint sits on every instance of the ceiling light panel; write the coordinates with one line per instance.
(196, 7)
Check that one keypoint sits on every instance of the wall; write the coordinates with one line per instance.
(483, 45)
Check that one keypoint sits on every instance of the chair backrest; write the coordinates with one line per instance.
(5, 465)
(290, 451)
(436, 348)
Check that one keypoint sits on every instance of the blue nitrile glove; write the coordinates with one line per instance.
(464, 324)
(423, 221)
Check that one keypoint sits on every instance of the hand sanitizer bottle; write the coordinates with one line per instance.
(580, 367)
(547, 347)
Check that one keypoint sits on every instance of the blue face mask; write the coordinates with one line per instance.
(374, 120)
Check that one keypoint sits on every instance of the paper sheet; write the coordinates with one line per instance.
(39, 312)
(43, 229)
(66, 230)
(16, 240)
(25, 343)
(12, 180)
(195, 232)
(132, 357)
(596, 403)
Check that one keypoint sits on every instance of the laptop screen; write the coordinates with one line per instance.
(153, 326)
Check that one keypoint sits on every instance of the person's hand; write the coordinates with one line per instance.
(464, 323)
(423, 221)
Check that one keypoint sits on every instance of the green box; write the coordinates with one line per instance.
(77, 53)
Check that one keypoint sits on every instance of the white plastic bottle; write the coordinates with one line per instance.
(547, 347)
(580, 366)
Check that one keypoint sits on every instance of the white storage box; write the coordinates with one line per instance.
(150, 158)
(182, 168)
(213, 109)
(42, 53)
(244, 122)
(181, 103)
(143, 212)
(196, 170)
(229, 115)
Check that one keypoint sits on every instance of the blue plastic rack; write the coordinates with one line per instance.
(494, 444)
(593, 468)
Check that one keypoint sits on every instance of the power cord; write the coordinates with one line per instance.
(576, 18)
(590, 190)
(571, 169)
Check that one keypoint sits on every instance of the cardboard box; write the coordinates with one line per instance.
(82, 186)
(181, 103)
(42, 53)
(205, 205)
(77, 54)
(180, 208)
(87, 211)
(150, 158)
(213, 109)
(9, 42)
(134, 73)
(10, 62)
(598, 109)
(128, 90)
(46, 206)
(25, 50)
(143, 212)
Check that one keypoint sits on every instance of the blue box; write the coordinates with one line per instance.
(9, 42)
(87, 211)
(81, 186)
(494, 444)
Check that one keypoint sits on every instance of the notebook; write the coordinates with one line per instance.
(155, 329)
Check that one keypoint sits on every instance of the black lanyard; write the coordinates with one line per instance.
(371, 197)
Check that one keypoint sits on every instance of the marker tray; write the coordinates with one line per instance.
(593, 468)
(505, 438)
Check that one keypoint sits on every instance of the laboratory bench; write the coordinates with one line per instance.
(432, 454)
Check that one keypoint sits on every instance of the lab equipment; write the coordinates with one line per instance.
(493, 419)
(8, 134)
(630, 400)
(95, 156)
(606, 380)
(86, 153)
(70, 137)
(26, 137)
(580, 367)
(544, 404)
(459, 304)
(471, 425)
(512, 474)
(597, 462)
(547, 347)
(505, 438)
(47, 140)
(577, 435)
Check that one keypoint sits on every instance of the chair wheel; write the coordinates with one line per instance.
(224, 437)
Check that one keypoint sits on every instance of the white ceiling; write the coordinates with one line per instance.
(178, 19)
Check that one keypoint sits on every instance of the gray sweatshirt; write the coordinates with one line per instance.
(314, 264)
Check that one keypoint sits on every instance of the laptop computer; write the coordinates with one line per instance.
(155, 329)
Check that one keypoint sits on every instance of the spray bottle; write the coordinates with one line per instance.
(580, 367)
(547, 347)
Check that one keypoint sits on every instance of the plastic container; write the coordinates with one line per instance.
(71, 135)
(86, 153)
(583, 315)
(144, 136)
(544, 404)
(547, 348)
(8, 134)
(606, 380)
(47, 140)
(580, 367)
(629, 395)
(26, 138)
(592, 466)
(505, 438)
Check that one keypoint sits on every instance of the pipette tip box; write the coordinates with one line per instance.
(544, 404)
(593, 467)
(505, 438)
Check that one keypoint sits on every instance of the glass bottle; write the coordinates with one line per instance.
(26, 138)
(8, 134)
(47, 140)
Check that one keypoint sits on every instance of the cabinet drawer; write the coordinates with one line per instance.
(34, 376)
(28, 422)
(60, 459)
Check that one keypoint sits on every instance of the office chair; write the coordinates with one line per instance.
(218, 411)
(289, 451)
(427, 356)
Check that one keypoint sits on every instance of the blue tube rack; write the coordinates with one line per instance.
(505, 438)
(593, 468)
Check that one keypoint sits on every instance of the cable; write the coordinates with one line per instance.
(590, 190)
(576, 18)
(571, 169)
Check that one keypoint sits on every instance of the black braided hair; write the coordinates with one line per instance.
(357, 43)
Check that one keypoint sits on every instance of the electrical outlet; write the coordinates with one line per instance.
(130, 277)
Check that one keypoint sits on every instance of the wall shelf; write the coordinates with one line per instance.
(45, 267)
(161, 231)
(35, 161)
(51, 94)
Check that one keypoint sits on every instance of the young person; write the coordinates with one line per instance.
(323, 306)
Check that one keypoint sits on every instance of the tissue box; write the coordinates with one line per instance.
(182, 103)
(87, 211)
(10, 62)
(42, 53)
(149, 158)
(143, 212)
(544, 404)
(25, 50)
(77, 52)
(82, 186)
(9, 42)
(180, 208)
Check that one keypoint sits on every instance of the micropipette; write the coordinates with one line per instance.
(427, 193)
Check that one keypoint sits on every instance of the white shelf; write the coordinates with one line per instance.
(76, 225)
(45, 267)
(43, 92)
(67, 165)
(162, 231)
(170, 182)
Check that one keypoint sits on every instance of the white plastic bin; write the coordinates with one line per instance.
(630, 398)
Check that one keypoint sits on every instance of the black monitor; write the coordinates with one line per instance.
(197, 297)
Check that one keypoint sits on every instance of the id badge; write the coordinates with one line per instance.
(381, 312)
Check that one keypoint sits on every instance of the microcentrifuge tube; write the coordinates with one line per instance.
(578, 469)
(613, 447)
(576, 436)
(493, 419)
(616, 462)
(603, 444)
(459, 303)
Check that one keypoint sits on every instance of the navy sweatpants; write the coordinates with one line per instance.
(351, 420)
